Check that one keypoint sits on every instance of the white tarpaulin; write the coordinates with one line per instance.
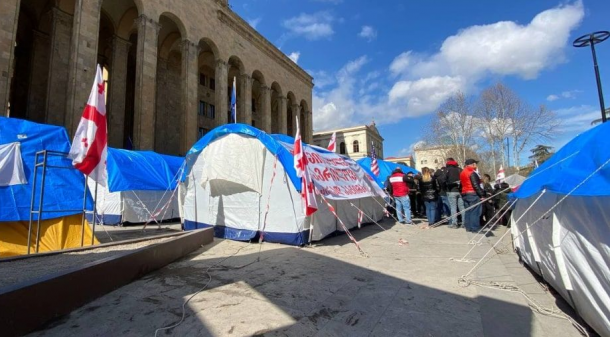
(11, 165)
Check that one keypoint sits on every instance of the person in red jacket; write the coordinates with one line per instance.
(398, 188)
(472, 193)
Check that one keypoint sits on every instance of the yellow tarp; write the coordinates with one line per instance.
(55, 234)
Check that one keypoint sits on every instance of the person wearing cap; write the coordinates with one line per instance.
(472, 193)
(397, 183)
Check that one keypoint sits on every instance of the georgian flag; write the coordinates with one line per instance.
(500, 176)
(90, 143)
(332, 144)
(300, 165)
(360, 218)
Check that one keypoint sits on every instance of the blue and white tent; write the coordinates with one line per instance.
(228, 185)
(385, 169)
(141, 186)
(565, 236)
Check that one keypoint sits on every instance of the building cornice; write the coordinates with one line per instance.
(241, 27)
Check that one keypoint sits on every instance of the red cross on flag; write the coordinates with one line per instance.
(300, 165)
(333, 142)
(90, 144)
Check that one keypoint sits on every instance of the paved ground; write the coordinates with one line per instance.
(326, 290)
(107, 234)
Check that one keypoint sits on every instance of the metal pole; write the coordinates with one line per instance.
(44, 174)
(32, 202)
(599, 82)
(508, 150)
(82, 233)
(94, 214)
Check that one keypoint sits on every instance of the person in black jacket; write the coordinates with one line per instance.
(488, 206)
(429, 192)
(412, 184)
(443, 207)
(454, 195)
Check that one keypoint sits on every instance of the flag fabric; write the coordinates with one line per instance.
(90, 144)
(360, 218)
(536, 162)
(374, 165)
(332, 144)
(300, 165)
(500, 176)
(234, 102)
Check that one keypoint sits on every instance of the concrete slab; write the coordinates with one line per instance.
(325, 290)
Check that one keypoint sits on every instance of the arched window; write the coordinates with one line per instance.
(356, 147)
(342, 148)
(436, 161)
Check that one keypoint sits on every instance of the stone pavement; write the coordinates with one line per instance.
(327, 290)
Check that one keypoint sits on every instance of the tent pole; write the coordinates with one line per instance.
(311, 222)
(94, 215)
(32, 202)
(44, 173)
(82, 233)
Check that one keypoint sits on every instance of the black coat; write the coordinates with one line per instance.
(429, 189)
(453, 178)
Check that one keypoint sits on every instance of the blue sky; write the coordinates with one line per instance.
(396, 61)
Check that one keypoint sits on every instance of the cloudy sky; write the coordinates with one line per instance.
(397, 61)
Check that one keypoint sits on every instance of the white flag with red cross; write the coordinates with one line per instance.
(90, 144)
(300, 165)
(333, 142)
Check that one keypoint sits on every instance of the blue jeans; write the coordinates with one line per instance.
(445, 208)
(472, 217)
(455, 203)
(431, 211)
(403, 208)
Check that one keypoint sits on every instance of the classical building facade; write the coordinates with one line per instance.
(355, 142)
(431, 157)
(408, 160)
(169, 67)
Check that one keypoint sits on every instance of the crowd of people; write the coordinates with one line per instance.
(466, 197)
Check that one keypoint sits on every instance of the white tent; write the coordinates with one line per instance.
(514, 180)
(141, 188)
(237, 176)
(563, 227)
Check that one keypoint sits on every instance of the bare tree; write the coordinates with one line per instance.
(532, 125)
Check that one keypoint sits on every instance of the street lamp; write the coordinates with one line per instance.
(591, 40)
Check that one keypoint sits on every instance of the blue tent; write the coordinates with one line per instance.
(64, 188)
(141, 170)
(385, 169)
(572, 164)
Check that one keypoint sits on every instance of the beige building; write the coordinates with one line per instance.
(355, 142)
(408, 160)
(432, 157)
(170, 67)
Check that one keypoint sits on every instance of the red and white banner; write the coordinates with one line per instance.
(300, 165)
(90, 143)
(336, 177)
(360, 218)
(333, 142)
(500, 176)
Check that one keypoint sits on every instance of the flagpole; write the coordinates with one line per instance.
(82, 233)
(94, 214)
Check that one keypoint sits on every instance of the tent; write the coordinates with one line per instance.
(570, 245)
(514, 180)
(385, 169)
(242, 181)
(62, 202)
(140, 184)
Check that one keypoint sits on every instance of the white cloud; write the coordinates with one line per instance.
(551, 98)
(369, 33)
(417, 84)
(294, 56)
(577, 118)
(312, 26)
(254, 22)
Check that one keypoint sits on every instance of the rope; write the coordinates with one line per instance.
(384, 207)
(202, 289)
(366, 215)
(349, 234)
(262, 233)
(493, 225)
(168, 203)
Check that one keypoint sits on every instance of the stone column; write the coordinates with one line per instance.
(188, 136)
(82, 60)
(282, 112)
(221, 100)
(9, 16)
(244, 106)
(118, 90)
(58, 57)
(309, 128)
(296, 113)
(265, 112)
(38, 81)
(146, 84)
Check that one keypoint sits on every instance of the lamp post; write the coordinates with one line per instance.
(591, 40)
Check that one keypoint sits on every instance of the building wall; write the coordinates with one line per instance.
(404, 160)
(201, 35)
(431, 158)
(364, 135)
